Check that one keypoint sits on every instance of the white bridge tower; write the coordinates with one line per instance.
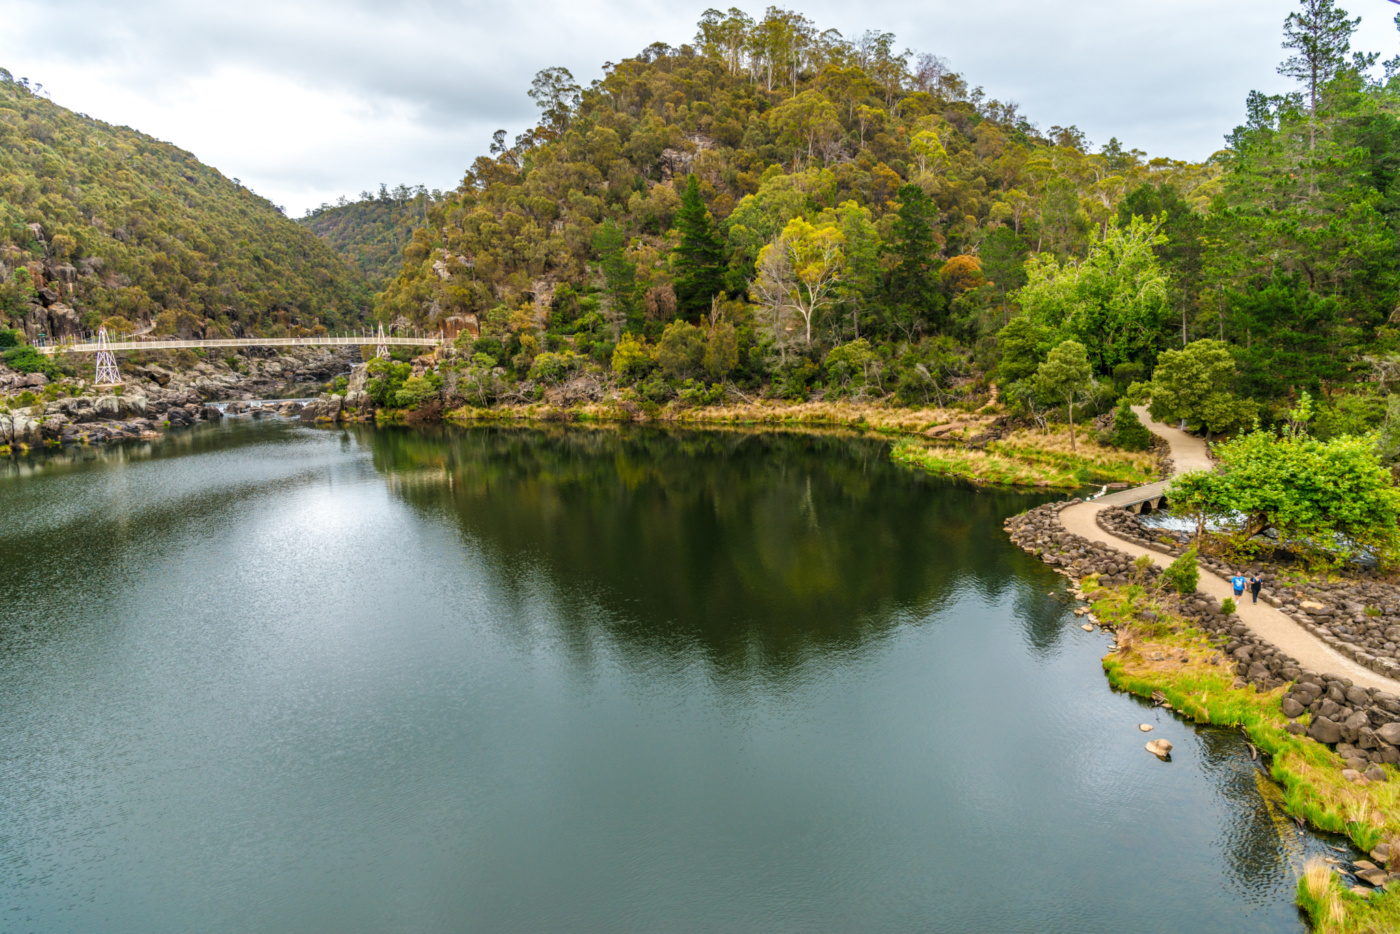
(107, 374)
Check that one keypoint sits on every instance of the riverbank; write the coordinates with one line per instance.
(1211, 667)
(972, 446)
(160, 390)
(1169, 660)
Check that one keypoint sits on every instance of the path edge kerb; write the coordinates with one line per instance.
(1285, 634)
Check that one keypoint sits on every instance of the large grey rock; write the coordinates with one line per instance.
(1357, 697)
(1389, 734)
(1291, 708)
(1325, 731)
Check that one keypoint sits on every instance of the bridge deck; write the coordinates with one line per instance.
(353, 341)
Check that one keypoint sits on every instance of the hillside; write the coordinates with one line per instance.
(923, 198)
(369, 234)
(100, 222)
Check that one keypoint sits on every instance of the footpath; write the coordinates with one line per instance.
(1189, 453)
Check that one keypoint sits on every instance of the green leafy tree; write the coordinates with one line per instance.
(681, 350)
(700, 259)
(1066, 377)
(1024, 344)
(1193, 385)
(721, 350)
(632, 358)
(1322, 499)
(1114, 301)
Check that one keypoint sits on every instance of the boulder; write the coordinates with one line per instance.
(1375, 773)
(1160, 748)
(1291, 708)
(1325, 731)
(1389, 734)
(1352, 775)
(1145, 727)
(1357, 697)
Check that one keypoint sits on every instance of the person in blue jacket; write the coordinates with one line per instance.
(1238, 582)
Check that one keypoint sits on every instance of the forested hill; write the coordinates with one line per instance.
(102, 223)
(870, 223)
(370, 233)
(777, 122)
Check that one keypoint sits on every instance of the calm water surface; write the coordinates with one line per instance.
(266, 677)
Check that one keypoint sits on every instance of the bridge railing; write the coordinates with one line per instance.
(369, 340)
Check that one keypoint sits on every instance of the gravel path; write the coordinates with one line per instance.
(1190, 453)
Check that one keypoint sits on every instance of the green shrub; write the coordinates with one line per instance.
(551, 368)
(1183, 574)
(9, 337)
(1227, 606)
(418, 390)
(1129, 433)
(28, 360)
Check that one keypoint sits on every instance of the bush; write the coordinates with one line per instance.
(1183, 574)
(418, 390)
(9, 337)
(26, 359)
(681, 351)
(1129, 433)
(1227, 606)
(551, 368)
(631, 359)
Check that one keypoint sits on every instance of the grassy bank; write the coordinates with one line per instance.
(1030, 458)
(1171, 659)
(884, 419)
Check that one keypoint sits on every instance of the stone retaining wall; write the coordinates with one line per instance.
(1363, 723)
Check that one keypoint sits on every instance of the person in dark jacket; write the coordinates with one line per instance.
(1255, 585)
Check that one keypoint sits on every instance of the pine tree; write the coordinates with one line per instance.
(1320, 37)
(699, 259)
(913, 298)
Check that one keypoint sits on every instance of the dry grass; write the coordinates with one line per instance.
(1027, 458)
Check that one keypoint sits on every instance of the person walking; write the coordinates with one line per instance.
(1237, 584)
(1256, 584)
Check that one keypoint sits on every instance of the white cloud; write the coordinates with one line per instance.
(308, 99)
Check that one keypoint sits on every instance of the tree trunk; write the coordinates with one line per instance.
(1071, 429)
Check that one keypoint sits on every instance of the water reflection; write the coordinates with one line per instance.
(745, 544)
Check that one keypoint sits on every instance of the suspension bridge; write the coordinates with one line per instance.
(107, 373)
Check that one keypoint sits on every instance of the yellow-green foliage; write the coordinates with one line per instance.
(792, 143)
(1030, 459)
(1148, 660)
(370, 234)
(150, 229)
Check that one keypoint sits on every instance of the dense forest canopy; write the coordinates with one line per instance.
(104, 223)
(370, 233)
(824, 195)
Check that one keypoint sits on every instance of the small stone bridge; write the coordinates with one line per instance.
(1139, 499)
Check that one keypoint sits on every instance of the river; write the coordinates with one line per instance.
(268, 677)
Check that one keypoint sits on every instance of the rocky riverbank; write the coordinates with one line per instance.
(1334, 745)
(160, 390)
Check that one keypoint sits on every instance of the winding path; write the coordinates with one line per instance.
(1190, 453)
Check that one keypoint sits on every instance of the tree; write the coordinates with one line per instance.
(912, 293)
(681, 351)
(1319, 35)
(1322, 499)
(721, 349)
(1067, 377)
(805, 280)
(1129, 433)
(1024, 345)
(1115, 300)
(557, 96)
(1193, 385)
(699, 259)
(619, 273)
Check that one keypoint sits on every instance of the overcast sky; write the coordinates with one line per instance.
(305, 100)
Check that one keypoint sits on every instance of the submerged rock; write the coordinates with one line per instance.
(1160, 748)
